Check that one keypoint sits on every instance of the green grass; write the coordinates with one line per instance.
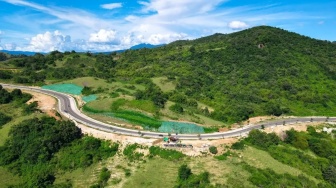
(130, 116)
(155, 173)
(81, 178)
(143, 105)
(138, 118)
(164, 84)
(261, 159)
(101, 104)
(95, 83)
(7, 178)
(17, 117)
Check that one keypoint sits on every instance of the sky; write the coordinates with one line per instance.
(108, 25)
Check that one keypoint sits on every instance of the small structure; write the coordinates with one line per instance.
(173, 139)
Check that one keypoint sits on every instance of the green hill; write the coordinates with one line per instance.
(258, 71)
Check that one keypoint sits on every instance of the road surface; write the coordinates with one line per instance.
(68, 108)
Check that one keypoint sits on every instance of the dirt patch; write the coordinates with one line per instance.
(258, 119)
(115, 137)
(201, 147)
(280, 130)
(46, 103)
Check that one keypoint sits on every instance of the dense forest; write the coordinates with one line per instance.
(258, 71)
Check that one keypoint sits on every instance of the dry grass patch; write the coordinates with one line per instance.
(164, 84)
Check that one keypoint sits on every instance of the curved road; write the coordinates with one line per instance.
(68, 108)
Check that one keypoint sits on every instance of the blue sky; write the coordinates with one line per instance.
(106, 25)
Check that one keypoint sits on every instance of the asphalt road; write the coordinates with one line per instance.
(68, 108)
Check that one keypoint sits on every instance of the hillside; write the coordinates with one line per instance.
(40, 151)
(258, 71)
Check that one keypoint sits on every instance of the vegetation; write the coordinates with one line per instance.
(31, 146)
(4, 119)
(38, 148)
(104, 176)
(84, 152)
(187, 179)
(166, 153)
(258, 71)
(293, 151)
(131, 153)
(268, 178)
(213, 150)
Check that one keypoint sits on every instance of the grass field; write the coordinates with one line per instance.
(17, 117)
(95, 83)
(7, 178)
(154, 173)
(80, 178)
(164, 84)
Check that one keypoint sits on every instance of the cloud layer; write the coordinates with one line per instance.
(152, 21)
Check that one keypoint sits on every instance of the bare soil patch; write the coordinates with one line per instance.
(46, 103)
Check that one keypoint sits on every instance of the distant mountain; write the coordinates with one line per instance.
(136, 47)
(145, 45)
(20, 52)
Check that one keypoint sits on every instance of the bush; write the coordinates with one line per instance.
(84, 152)
(4, 119)
(213, 150)
(223, 156)
(177, 108)
(184, 172)
(262, 139)
(329, 174)
(238, 145)
(104, 176)
(166, 153)
(130, 152)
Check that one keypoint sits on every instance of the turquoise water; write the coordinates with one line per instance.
(180, 127)
(89, 98)
(65, 88)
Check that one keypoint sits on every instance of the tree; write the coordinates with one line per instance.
(176, 108)
(330, 174)
(184, 172)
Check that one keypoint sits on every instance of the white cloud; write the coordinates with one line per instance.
(236, 25)
(111, 6)
(104, 36)
(321, 22)
(10, 46)
(75, 16)
(164, 38)
(155, 22)
(48, 41)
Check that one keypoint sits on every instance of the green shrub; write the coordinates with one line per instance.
(268, 178)
(224, 156)
(166, 153)
(238, 145)
(114, 95)
(84, 152)
(213, 150)
(130, 152)
(177, 108)
(104, 176)
(184, 172)
(138, 118)
(117, 104)
(87, 91)
(4, 119)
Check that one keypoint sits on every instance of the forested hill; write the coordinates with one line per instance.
(258, 71)
(262, 70)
